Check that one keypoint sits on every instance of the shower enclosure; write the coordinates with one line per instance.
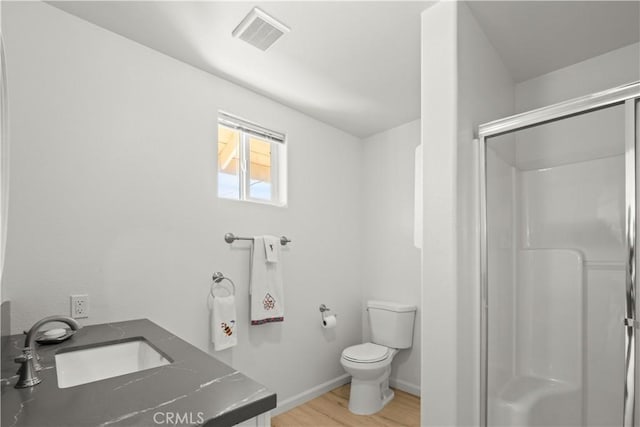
(558, 264)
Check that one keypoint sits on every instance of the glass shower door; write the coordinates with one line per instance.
(556, 270)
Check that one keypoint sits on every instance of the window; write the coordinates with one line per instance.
(251, 162)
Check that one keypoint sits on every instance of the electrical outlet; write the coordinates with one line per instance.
(79, 306)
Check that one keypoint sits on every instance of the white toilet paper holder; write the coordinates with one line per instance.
(323, 310)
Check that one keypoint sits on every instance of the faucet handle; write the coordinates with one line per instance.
(27, 354)
(21, 360)
(25, 357)
(27, 371)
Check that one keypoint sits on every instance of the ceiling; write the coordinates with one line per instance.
(536, 37)
(356, 64)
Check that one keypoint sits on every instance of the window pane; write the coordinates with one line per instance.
(260, 170)
(228, 163)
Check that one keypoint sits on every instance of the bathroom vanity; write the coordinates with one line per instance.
(189, 387)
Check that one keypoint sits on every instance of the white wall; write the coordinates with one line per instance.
(114, 194)
(439, 279)
(391, 263)
(464, 84)
(595, 74)
(4, 156)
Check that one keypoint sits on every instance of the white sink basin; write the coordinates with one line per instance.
(75, 367)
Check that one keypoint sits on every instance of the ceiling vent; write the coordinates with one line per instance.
(260, 29)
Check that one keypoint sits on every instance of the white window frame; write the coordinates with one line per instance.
(248, 130)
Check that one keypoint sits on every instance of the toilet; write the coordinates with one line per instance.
(369, 364)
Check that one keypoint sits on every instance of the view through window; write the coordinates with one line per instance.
(250, 162)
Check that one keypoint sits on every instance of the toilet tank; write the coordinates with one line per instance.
(391, 323)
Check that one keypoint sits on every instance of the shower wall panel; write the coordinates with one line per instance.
(578, 206)
(581, 206)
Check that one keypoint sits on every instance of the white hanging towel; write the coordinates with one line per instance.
(271, 248)
(223, 324)
(267, 294)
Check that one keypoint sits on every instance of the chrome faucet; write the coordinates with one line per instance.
(28, 360)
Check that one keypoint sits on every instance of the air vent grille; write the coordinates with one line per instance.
(260, 29)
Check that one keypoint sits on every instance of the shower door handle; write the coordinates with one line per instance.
(631, 323)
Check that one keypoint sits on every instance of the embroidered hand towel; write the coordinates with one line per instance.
(272, 248)
(266, 287)
(223, 324)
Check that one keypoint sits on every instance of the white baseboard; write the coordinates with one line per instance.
(312, 393)
(405, 386)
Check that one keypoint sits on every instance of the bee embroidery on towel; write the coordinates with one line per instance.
(228, 329)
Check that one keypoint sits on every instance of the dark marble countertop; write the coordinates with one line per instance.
(195, 386)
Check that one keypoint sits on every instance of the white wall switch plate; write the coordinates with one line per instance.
(79, 306)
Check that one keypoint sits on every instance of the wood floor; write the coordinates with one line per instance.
(331, 409)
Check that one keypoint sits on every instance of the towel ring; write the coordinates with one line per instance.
(218, 277)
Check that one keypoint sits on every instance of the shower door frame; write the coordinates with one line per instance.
(629, 95)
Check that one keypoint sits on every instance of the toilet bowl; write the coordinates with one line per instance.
(369, 364)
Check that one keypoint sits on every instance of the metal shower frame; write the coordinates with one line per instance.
(629, 95)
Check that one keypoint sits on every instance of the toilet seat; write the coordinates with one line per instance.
(366, 353)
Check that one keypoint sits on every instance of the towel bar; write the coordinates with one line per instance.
(230, 238)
